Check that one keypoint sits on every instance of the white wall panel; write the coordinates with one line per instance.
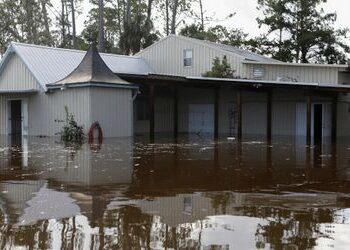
(16, 76)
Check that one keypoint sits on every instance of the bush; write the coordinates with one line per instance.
(71, 131)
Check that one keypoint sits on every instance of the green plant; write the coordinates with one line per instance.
(220, 69)
(71, 132)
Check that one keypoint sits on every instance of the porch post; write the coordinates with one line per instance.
(239, 115)
(176, 112)
(334, 118)
(216, 113)
(269, 117)
(308, 119)
(151, 112)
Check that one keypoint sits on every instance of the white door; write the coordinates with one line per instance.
(201, 118)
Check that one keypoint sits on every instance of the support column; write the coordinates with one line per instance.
(239, 115)
(308, 119)
(334, 118)
(216, 113)
(269, 118)
(151, 112)
(176, 112)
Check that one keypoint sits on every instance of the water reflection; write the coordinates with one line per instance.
(189, 194)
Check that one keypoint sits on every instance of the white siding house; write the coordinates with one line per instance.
(27, 70)
(266, 98)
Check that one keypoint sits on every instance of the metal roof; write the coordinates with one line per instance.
(49, 65)
(92, 69)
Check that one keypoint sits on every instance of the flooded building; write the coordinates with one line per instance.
(266, 98)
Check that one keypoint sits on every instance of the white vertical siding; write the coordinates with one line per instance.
(16, 75)
(314, 74)
(46, 108)
(113, 109)
(167, 56)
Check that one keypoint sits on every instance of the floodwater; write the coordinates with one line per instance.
(190, 194)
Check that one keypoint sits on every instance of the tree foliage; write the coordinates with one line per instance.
(305, 32)
(220, 69)
(217, 34)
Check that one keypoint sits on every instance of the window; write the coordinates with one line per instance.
(188, 55)
(142, 109)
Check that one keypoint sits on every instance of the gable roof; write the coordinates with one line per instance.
(92, 69)
(49, 65)
(244, 54)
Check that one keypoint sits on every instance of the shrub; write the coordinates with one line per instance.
(71, 132)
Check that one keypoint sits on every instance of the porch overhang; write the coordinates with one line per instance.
(18, 91)
(208, 82)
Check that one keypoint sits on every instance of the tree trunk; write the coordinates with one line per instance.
(202, 13)
(47, 33)
(167, 17)
(101, 35)
(74, 37)
(174, 14)
(63, 24)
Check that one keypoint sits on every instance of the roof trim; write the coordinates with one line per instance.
(18, 91)
(296, 64)
(261, 82)
(90, 84)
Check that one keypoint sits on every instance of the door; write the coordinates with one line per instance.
(16, 117)
(201, 118)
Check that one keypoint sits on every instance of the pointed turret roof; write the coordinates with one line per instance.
(92, 69)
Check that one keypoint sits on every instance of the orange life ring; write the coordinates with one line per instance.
(95, 125)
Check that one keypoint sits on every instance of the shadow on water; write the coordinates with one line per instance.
(189, 193)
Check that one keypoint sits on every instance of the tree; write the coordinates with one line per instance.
(220, 69)
(25, 21)
(174, 13)
(101, 34)
(305, 31)
(217, 34)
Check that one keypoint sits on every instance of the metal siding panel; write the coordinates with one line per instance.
(112, 108)
(16, 76)
(172, 48)
(44, 109)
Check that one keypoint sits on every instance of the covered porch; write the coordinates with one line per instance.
(240, 109)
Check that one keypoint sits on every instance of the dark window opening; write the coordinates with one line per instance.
(142, 109)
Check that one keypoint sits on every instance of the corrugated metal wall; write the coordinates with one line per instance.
(46, 108)
(168, 55)
(16, 75)
(310, 74)
(113, 109)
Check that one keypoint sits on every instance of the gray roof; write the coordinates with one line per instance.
(49, 65)
(92, 69)
(246, 54)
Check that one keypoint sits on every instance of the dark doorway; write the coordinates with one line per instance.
(318, 124)
(16, 117)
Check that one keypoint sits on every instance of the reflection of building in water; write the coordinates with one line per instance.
(112, 164)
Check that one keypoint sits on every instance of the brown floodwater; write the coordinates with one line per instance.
(192, 193)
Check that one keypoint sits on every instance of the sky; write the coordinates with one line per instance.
(246, 13)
